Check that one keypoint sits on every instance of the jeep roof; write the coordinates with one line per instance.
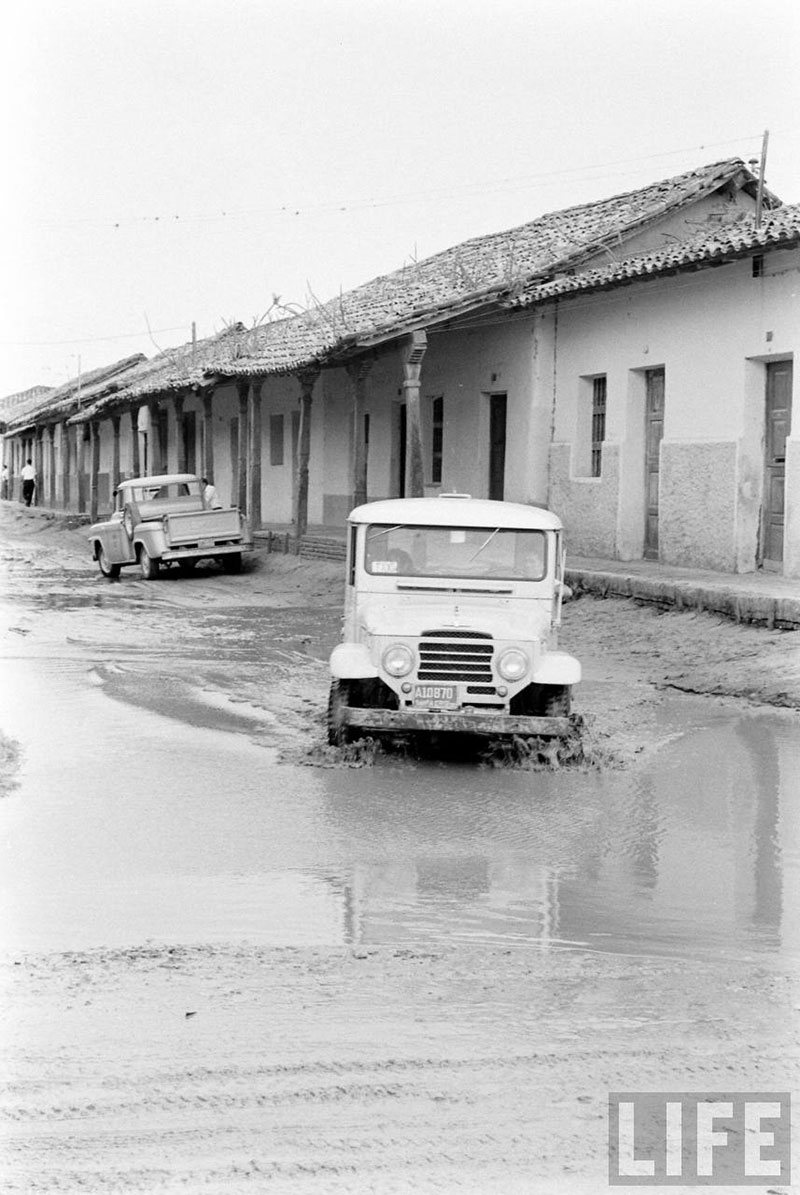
(456, 509)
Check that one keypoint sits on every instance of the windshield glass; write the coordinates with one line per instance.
(498, 553)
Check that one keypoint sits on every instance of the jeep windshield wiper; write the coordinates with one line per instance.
(485, 544)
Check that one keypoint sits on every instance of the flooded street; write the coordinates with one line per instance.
(350, 969)
(148, 810)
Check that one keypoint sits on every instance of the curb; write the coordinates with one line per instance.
(740, 606)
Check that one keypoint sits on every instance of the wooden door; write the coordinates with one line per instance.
(654, 430)
(497, 445)
(778, 419)
(234, 449)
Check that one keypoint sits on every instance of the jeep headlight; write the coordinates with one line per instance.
(398, 660)
(512, 664)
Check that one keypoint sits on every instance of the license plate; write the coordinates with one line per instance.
(436, 697)
(205, 543)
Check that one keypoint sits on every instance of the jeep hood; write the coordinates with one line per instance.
(500, 617)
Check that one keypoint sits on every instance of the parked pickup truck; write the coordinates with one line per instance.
(164, 520)
(451, 615)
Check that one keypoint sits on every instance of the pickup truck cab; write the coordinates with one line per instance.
(164, 520)
(452, 609)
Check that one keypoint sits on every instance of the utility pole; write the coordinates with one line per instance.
(761, 172)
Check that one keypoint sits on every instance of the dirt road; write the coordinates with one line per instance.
(466, 1066)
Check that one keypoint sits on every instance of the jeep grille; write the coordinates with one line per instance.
(456, 656)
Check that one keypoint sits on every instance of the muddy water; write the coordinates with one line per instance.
(169, 819)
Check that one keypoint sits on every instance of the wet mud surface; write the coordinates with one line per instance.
(232, 963)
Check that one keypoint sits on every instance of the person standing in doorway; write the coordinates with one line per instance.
(28, 476)
(5, 492)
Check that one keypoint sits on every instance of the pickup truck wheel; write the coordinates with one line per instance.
(106, 567)
(338, 732)
(556, 701)
(232, 563)
(148, 564)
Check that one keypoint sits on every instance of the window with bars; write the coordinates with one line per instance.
(437, 439)
(598, 424)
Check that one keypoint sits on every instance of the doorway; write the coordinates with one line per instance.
(654, 430)
(498, 404)
(778, 420)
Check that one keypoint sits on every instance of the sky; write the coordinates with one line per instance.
(170, 162)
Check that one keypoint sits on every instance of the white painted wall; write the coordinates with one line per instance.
(713, 332)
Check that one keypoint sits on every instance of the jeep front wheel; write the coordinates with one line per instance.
(106, 567)
(338, 731)
(556, 701)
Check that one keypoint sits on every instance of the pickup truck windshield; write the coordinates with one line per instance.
(497, 553)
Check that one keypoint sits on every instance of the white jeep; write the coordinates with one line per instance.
(452, 606)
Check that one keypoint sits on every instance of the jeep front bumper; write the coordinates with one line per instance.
(457, 722)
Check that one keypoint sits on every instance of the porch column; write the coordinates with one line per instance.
(208, 436)
(357, 372)
(80, 462)
(180, 438)
(38, 464)
(243, 389)
(254, 454)
(51, 466)
(307, 379)
(135, 461)
(115, 419)
(66, 438)
(413, 353)
(154, 445)
(95, 466)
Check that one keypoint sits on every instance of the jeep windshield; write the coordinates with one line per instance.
(495, 553)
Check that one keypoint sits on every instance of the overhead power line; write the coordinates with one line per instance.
(482, 187)
(89, 339)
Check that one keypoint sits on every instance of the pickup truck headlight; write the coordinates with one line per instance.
(512, 664)
(398, 660)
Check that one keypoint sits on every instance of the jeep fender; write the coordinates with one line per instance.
(557, 668)
(350, 661)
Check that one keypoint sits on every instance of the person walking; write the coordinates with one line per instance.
(28, 476)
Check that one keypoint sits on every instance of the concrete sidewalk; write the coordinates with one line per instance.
(763, 597)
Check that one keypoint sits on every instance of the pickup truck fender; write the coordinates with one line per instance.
(557, 668)
(151, 535)
(350, 661)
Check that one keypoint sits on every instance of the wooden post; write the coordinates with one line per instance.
(180, 438)
(38, 464)
(80, 458)
(208, 436)
(154, 441)
(413, 353)
(66, 441)
(243, 389)
(135, 458)
(307, 379)
(357, 371)
(51, 466)
(115, 453)
(254, 454)
(95, 466)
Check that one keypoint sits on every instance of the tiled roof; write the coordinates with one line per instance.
(475, 272)
(23, 400)
(172, 369)
(479, 272)
(778, 229)
(78, 391)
